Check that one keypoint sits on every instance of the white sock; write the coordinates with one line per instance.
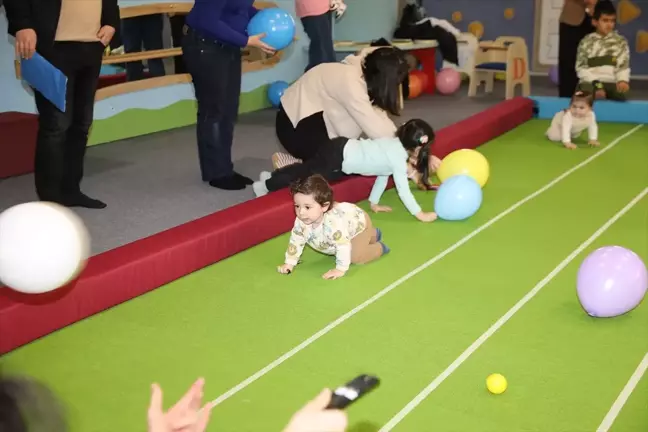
(259, 187)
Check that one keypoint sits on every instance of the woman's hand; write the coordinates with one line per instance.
(426, 217)
(25, 43)
(380, 209)
(285, 269)
(314, 417)
(106, 34)
(255, 41)
(185, 416)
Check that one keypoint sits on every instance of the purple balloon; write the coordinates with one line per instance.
(611, 281)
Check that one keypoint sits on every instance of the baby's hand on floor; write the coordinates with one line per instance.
(285, 268)
(380, 209)
(333, 274)
(569, 145)
(594, 143)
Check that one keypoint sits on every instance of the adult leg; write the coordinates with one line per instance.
(326, 162)
(132, 37)
(319, 31)
(569, 39)
(83, 99)
(447, 45)
(152, 27)
(567, 48)
(364, 247)
(230, 117)
(53, 125)
(284, 177)
(211, 66)
(303, 141)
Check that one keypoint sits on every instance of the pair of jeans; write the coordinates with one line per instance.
(143, 33)
(319, 29)
(63, 136)
(215, 68)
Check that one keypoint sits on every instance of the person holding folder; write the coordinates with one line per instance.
(72, 36)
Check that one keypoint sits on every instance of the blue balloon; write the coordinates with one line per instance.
(458, 198)
(277, 24)
(275, 91)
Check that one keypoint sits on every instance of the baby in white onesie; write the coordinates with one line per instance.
(570, 123)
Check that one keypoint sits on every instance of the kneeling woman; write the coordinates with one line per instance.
(345, 99)
(403, 157)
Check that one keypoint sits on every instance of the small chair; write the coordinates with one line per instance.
(505, 54)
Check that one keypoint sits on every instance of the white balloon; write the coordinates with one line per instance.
(43, 246)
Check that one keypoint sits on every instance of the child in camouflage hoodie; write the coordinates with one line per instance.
(603, 59)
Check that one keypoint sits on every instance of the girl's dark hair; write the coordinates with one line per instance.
(384, 70)
(315, 185)
(584, 96)
(418, 133)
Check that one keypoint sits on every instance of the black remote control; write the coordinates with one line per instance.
(352, 391)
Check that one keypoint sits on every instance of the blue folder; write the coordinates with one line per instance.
(45, 78)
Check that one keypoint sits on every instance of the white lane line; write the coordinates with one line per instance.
(507, 316)
(260, 373)
(624, 396)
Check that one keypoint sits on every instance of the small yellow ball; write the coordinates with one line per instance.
(496, 384)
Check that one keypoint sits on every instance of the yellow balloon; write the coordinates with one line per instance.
(465, 162)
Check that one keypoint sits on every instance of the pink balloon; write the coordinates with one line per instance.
(611, 281)
(448, 81)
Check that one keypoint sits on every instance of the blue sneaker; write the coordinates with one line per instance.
(378, 234)
(385, 249)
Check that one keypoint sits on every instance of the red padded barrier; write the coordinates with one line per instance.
(17, 143)
(131, 270)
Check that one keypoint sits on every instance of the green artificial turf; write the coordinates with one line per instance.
(230, 320)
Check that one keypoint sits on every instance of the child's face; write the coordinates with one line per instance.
(308, 210)
(605, 24)
(580, 108)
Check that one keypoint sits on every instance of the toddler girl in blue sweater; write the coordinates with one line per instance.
(405, 156)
